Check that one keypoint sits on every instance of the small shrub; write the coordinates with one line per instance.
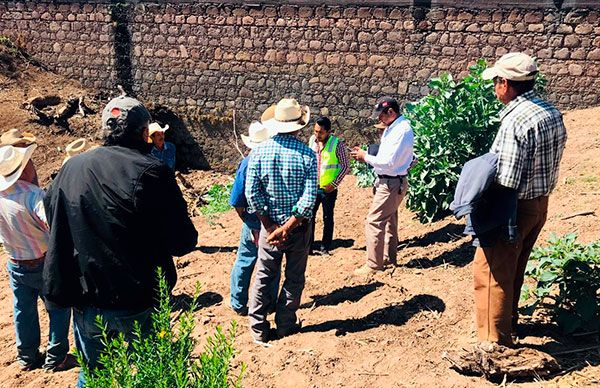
(216, 199)
(164, 358)
(365, 176)
(566, 274)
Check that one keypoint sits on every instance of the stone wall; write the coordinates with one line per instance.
(204, 59)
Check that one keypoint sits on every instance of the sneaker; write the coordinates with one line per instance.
(69, 362)
(365, 270)
(26, 365)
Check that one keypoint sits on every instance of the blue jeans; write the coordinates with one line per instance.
(242, 272)
(26, 284)
(88, 335)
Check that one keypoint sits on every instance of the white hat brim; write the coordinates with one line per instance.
(489, 74)
(7, 181)
(250, 143)
(269, 121)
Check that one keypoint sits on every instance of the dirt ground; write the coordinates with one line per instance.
(386, 332)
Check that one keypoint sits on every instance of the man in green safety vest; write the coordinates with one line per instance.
(332, 161)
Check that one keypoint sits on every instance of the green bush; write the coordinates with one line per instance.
(164, 357)
(566, 274)
(454, 123)
(365, 176)
(216, 199)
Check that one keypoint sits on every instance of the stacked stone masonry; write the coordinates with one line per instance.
(337, 59)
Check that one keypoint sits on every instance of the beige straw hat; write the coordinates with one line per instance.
(12, 163)
(74, 148)
(155, 127)
(257, 133)
(17, 138)
(285, 117)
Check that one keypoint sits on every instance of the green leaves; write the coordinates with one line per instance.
(567, 282)
(216, 199)
(454, 123)
(365, 177)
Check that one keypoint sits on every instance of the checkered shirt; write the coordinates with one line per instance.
(282, 179)
(529, 146)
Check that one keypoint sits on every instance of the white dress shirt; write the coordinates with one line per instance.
(395, 151)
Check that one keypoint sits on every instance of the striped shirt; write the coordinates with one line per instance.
(282, 179)
(23, 225)
(529, 145)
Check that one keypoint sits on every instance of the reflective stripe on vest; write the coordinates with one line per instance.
(330, 165)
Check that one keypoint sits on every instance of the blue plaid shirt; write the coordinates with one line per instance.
(282, 179)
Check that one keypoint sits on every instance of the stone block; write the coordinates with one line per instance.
(562, 53)
(572, 41)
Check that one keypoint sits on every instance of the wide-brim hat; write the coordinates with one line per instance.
(286, 116)
(16, 136)
(257, 133)
(74, 148)
(155, 127)
(12, 163)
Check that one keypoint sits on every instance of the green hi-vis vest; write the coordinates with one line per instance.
(330, 165)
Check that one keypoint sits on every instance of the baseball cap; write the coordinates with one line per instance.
(512, 66)
(384, 103)
(125, 108)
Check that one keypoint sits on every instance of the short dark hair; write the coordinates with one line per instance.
(324, 123)
(522, 86)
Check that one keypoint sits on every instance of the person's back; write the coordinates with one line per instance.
(108, 201)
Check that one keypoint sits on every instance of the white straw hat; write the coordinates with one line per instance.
(285, 117)
(155, 127)
(257, 133)
(12, 163)
(74, 148)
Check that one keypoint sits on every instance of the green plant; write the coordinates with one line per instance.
(365, 177)
(216, 199)
(163, 358)
(567, 274)
(454, 123)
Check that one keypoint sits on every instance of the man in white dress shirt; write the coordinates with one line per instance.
(391, 165)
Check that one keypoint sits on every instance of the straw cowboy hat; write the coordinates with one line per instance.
(285, 117)
(155, 127)
(12, 163)
(257, 133)
(74, 148)
(16, 137)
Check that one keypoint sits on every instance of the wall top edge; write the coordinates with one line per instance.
(473, 4)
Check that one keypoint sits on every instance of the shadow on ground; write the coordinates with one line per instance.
(448, 233)
(344, 294)
(210, 249)
(457, 257)
(183, 302)
(392, 315)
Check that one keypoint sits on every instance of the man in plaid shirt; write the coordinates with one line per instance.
(281, 189)
(529, 146)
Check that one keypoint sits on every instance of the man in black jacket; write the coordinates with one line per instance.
(101, 208)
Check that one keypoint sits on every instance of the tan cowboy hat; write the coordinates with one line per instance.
(380, 126)
(155, 127)
(17, 138)
(12, 163)
(257, 133)
(74, 148)
(285, 117)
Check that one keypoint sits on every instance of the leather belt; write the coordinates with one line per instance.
(29, 263)
(382, 176)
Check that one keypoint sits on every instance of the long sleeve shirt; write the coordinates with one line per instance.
(23, 227)
(341, 154)
(395, 151)
(238, 195)
(282, 179)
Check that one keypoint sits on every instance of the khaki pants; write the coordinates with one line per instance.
(381, 229)
(499, 272)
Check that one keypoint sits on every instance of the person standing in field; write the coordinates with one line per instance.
(529, 146)
(391, 164)
(332, 164)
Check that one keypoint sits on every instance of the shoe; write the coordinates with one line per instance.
(324, 251)
(387, 262)
(69, 362)
(295, 329)
(365, 270)
(31, 365)
(243, 312)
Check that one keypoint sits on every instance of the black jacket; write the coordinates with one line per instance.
(115, 215)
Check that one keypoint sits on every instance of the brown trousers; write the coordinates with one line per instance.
(499, 273)
(381, 228)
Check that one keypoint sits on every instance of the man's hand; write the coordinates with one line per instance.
(358, 154)
(329, 188)
(278, 236)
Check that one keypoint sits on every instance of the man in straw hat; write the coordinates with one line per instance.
(281, 189)
(247, 253)
(24, 233)
(108, 236)
(529, 145)
(17, 138)
(162, 150)
(390, 164)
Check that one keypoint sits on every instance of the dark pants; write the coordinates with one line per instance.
(268, 269)
(328, 201)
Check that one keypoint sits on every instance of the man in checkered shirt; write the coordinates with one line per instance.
(529, 146)
(281, 188)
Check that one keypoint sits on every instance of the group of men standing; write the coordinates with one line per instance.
(115, 214)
